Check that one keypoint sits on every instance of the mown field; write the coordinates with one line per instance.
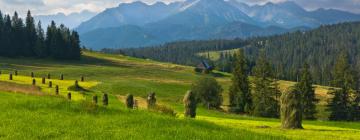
(29, 112)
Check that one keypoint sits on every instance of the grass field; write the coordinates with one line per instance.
(30, 112)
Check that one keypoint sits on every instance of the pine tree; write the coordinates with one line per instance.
(265, 91)
(345, 82)
(17, 37)
(30, 33)
(239, 93)
(2, 35)
(40, 48)
(305, 87)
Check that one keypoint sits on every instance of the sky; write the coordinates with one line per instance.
(46, 7)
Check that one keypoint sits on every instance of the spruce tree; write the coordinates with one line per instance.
(305, 87)
(265, 91)
(345, 84)
(239, 92)
(30, 33)
(40, 48)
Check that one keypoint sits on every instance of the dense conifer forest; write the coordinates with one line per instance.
(288, 52)
(25, 38)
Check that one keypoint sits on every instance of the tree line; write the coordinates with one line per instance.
(287, 52)
(20, 38)
(262, 96)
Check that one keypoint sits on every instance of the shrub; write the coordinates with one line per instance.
(190, 104)
(151, 100)
(105, 99)
(208, 92)
(291, 110)
(129, 101)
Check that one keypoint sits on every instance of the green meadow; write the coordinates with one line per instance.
(35, 112)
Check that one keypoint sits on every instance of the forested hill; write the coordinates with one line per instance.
(25, 38)
(287, 52)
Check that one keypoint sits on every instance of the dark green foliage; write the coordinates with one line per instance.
(69, 96)
(240, 93)
(287, 52)
(344, 103)
(105, 99)
(305, 87)
(291, 109)
(28, 40)
(10, 76)
(129, 101)
(15, 72)
(265, 91)
(190, 104)
(151, 100)
(43, 81)
(57, 90)
(33, 82)
(50, 84)
(95, 99)
(208, 92)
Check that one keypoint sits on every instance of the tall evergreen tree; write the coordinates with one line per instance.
(240, 93)
(345, 85)
(265, 91)
(75, 45)
(40, 48)
(18, 36)
(1, 33)
(30, 39)
(305, 87)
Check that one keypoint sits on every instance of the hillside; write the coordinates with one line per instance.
(41, 114)
(319, 48)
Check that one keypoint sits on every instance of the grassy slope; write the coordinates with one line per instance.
(119, 75)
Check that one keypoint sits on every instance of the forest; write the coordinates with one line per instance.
(24, 38)
(287, 52)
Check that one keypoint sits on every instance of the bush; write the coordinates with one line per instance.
(208, 92)
(190, 104)
(129, 101)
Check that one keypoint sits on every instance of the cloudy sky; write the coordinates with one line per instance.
(45, 7)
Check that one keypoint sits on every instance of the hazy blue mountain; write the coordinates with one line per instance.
(290, 15)
(138, 24)
(136, 13)
(72, 20)
(118, 37)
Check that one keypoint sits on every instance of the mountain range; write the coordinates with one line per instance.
(72, 20)
(138, 24)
